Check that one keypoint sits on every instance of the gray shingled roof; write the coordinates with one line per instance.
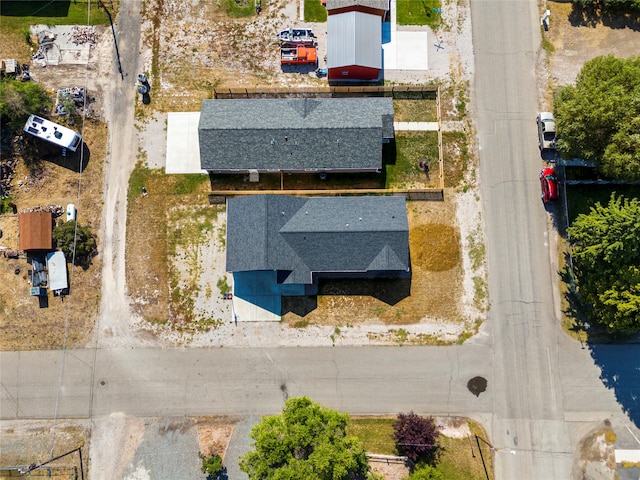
(354, 38)
(300, 134)
(320, 234)
(377, 4)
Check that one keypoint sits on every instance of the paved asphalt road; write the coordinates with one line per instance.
(533, 399)
(540, 384)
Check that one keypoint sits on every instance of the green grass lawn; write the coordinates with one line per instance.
(18, 15)
(240, 8)
(418, 12)
(409, 148)
(314, 11)
(456, 460)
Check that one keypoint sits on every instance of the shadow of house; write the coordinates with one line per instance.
(283, 246)
(620, 371)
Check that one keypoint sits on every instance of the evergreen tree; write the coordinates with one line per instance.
(65, 235)
(606, 260)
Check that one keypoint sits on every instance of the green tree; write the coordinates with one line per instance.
(597, 117)
(307, 441)
(65, 235)
(68, 103)
(606, 259)
(20, 99)
(211, 465)
(426, 472)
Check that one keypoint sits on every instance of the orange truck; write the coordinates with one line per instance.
(298, 55)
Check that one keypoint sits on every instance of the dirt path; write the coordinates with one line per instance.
(120, 94)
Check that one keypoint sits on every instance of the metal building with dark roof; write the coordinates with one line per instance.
(280, 245)
(294, 135)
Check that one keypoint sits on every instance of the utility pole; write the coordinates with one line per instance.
(482, 456)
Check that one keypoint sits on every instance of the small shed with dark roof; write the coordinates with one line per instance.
(354, 39)
(34, 231)
(294, 135)
(281, 245)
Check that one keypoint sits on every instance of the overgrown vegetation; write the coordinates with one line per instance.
(20, 99)
(419, 12)
(76, 241)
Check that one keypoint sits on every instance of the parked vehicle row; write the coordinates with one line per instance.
(547, 141)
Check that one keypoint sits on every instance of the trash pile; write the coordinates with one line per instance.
(57, 210)
(81, 35)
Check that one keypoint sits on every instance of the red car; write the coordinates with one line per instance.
(549, 185)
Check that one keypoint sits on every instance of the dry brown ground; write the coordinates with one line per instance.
(23, 324)
(27, 443)
(578, 38)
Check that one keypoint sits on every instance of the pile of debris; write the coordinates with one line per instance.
(56, 210)
(7, 169)
(81, 35)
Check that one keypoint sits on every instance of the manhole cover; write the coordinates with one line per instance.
(477, 385)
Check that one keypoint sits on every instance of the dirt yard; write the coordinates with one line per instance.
(25, 323)
(578, 37)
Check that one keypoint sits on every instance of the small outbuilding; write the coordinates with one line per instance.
(35, 231)
(354, 39)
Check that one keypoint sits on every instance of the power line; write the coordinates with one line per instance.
(73, 255)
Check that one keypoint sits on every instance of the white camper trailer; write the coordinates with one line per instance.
(52, 132)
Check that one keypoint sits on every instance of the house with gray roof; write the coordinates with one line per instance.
(280, 245)
(294, 134)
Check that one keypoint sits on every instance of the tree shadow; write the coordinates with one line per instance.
(21, 8)
(612, 18)
(620, 371)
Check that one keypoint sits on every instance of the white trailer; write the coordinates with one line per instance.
(52, 132)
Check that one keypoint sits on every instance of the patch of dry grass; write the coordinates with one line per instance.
(406, 110)
(24, 325)
(150, 240)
